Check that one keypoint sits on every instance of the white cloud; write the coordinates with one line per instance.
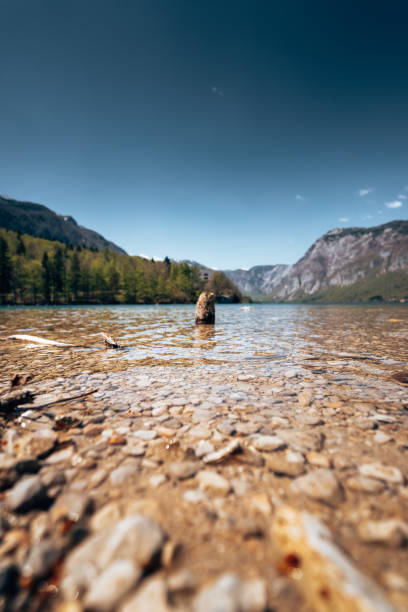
(367, 217)
(395, 204)
(401, 196)
(344, 219)
(366, 191)
(299, 197)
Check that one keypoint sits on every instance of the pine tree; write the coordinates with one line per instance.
(5, 270)
(46, 277)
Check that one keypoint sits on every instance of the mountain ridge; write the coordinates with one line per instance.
(341, 258)
(42, 222)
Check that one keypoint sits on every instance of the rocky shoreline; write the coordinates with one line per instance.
(162, 490)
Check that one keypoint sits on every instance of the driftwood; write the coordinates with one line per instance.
(62, 400)
(109, 341)
(37, 340)
(205, 309)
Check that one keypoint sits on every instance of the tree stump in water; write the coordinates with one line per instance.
(205, 309)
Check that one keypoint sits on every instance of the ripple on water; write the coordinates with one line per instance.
(344, 339)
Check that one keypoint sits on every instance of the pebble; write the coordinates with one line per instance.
(145, 434)
(135, 539)
(28, 494)
(321, 485)
(391, 532)
(222, 453)
(381, 438)
(183, 469)
(203, 448)
(287, 462)
(112, 584)
(267, 443)
(387, 473)
(70, 505)
(123, 474)
(318, 459)
(230, 594)
(214, 483)
(37, 444)
(365, 485)
(152, 596)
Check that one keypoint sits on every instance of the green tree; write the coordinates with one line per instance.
(75, 275)
(46, 277)
(5, 270)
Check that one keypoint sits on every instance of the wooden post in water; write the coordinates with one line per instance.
(205, 309)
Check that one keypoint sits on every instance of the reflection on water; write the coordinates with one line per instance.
(274, 335)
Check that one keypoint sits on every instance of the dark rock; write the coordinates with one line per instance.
(27, 494)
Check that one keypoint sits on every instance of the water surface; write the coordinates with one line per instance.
(269, 336)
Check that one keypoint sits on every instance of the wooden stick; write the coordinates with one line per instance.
(37, 340)
(62, 400)
(110, 342)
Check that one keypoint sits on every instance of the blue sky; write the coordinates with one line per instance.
(227, 132)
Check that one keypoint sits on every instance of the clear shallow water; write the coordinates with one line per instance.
(271, 336)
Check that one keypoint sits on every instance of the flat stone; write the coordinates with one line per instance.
(365, 485)
(200, 431)
(123, 474)
(230, 594)
(321, 485)
(222, 453)
(112, 584)
(145, 434)
(37, 444)
(391, 532)
(214, 483)
(287, 462)
(194, 496)
(151, 596)
(106, 517)
(42, 557)
(323, 564)
(70, 505)
(267, 443)
(183, 469)
(305, 398)
(203, 448)
(135, 539)
(381, 438)
(63, 455)
(302, 442)
(28, 494)
(318, 459)
(387, 473)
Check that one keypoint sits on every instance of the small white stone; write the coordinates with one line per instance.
(382, 472)
(213, 482)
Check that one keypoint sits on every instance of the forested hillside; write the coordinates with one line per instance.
(38, 271)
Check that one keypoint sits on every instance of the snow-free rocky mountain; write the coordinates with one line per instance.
(365, 261)
(38, 220)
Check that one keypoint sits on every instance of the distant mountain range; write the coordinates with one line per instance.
(38, 220)
(347, 264)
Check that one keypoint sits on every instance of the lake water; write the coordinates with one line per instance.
(267, 337)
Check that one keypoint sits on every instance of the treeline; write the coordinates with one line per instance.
(38, 271)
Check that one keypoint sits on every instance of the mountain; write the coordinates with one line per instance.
(41, 222)
(258, 281)
(346, 264)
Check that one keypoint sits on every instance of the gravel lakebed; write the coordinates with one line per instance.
(229, 487)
